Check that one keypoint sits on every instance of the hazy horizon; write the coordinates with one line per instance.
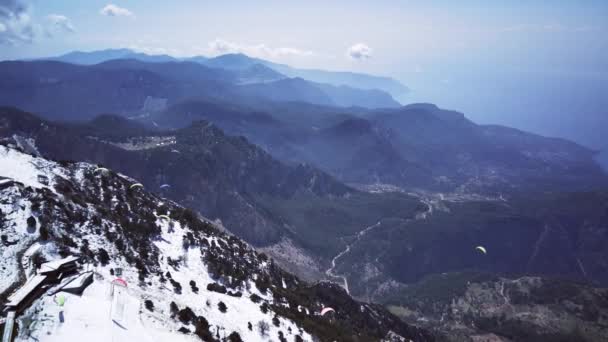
(539, 66)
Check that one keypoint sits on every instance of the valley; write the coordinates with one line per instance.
(325, 192)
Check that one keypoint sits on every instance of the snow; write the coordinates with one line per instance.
(15, 229)
(26, 260)
(240, 310)
(55, 264)
(25, 168)
(87, 317)
(25, 290)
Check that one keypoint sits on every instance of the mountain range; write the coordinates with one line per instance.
(383, 243)
(336, 183)
(238, 61)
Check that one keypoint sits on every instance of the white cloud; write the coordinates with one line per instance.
(112, 10)
(15, 23)
(220, 46)
(359, 51)
(154, 50)
(60, 22)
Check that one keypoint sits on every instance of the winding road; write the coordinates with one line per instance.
(331, 272)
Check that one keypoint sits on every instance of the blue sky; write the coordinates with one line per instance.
(402, 36)
(537, 65)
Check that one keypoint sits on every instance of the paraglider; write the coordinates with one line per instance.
(101, 169)
(175, 151)
(136, 185)
(482, 249)
(326, 310)
(164, 216)
(60, 300)
(119, 281)
(165, 186)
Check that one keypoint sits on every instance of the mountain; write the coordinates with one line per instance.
(346, 96)
(239, 61)
(335, 78)
(289, 90)
(130, 87)
(100, 56)
(73, 92)
(182, 278)
(474, 307)
(255, 196)
(415, 147)
(344, 78)
(233, 61)
(258, 73)
(396, 261)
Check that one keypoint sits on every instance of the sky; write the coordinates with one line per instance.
(509, 62)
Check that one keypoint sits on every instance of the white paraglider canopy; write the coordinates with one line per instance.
(326, 310)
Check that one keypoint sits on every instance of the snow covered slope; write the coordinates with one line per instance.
(186, 280)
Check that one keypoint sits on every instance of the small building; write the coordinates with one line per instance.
(23, 297)
(50, 273)
(5, 182)
(58, 269)
(78, 284)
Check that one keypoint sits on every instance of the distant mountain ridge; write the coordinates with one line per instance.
(67, 91)
(238, 61)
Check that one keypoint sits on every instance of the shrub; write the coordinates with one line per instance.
(264, 307)
(237, 294)
(249, 326)
(104, 258)
(38, 260)
(276, 322)
(44, 233)
(201, 329)
(173, 309)
(235, 337)
(282, 337)
(186, 315)
(184, 330)
(222, 307)
(193, 286)
(149, 305)
(177, 287)
(215, 287)
(255, 298)
(263, 328)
